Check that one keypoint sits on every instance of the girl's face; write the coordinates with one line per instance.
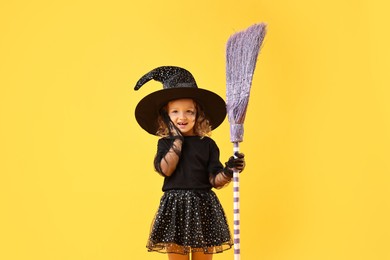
(183, 114)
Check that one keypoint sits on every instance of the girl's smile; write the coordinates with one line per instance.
(182, 112)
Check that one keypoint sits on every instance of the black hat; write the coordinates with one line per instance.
(177, 83)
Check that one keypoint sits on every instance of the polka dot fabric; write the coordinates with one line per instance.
(189, 221)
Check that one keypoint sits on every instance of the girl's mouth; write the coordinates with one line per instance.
(181, 125)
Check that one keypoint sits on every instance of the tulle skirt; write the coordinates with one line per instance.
(189, 221)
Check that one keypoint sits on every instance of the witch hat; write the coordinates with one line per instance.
(177, 83)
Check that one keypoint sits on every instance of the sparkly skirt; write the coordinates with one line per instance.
(189, 221)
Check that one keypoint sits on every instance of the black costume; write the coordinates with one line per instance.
(190, 216)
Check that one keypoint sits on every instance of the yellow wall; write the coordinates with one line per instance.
(76, 177)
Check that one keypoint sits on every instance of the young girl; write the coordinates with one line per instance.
(190, 218)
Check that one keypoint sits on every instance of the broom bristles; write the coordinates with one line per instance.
(242, 50)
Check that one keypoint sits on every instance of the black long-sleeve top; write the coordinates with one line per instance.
(199, 159)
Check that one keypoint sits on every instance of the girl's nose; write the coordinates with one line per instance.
(182, 115)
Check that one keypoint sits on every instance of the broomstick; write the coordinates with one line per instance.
(242, 50)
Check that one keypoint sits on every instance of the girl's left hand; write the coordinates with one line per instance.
(237, 162)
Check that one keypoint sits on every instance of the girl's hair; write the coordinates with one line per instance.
(202, 126)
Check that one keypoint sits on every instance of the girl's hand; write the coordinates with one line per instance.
(237, 162)
(175, 132)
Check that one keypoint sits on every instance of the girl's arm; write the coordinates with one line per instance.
(220, 180)
(166, 161)
(225, 176)
(169, 162)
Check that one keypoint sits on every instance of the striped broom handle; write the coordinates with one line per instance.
(236, 206)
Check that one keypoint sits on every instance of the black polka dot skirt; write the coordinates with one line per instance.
(189, 221)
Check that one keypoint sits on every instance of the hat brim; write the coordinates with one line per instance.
(147, 110)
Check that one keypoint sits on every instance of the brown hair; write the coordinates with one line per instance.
(202, 125)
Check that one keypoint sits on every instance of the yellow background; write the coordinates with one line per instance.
(77, 181)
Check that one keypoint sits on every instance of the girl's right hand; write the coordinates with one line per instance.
(175, 132)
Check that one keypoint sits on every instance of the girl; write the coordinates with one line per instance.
(190, 218)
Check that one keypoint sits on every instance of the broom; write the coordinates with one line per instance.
(242, 50)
